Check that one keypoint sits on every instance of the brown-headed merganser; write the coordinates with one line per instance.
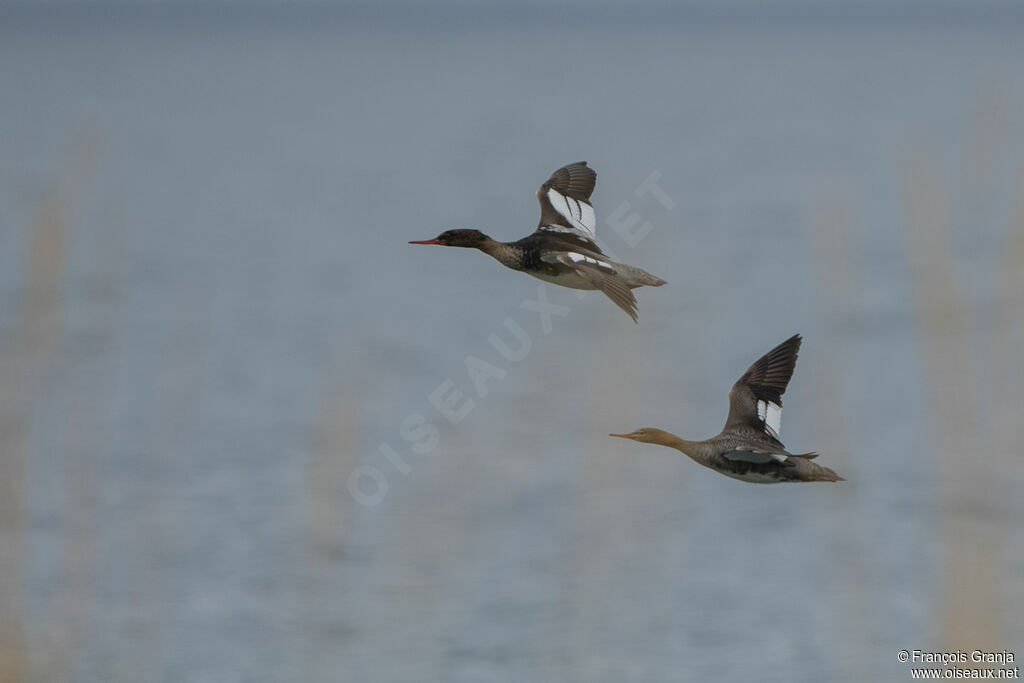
(562, 250)
(748, 448)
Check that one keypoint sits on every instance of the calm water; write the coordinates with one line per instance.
(241, 325)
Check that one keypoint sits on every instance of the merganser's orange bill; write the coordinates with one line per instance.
(433, 241)
(748, 447)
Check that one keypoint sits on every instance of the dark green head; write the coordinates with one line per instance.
(459, 237)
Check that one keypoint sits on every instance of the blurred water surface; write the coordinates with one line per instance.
(209, 317)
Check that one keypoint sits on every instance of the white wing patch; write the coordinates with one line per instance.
(580, 215)
(577, 258)
(561, 228)
(771, 414)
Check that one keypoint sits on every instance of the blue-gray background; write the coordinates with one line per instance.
(212, 331)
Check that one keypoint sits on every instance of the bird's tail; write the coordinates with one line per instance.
(637, 277)
(805, 470)
(825, 474)
(650, 280)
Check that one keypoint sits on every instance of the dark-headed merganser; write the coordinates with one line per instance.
(748, 448)
(562, 250)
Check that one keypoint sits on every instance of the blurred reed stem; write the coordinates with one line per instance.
(968, 522)
(328, 517)
(30, 355)
(22, 360)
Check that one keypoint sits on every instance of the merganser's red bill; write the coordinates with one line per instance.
(563, 249)
(622, 436)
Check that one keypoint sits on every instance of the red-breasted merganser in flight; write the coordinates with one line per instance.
(562, 250)
(748, 448)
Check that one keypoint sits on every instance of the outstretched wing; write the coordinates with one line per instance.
(565, 208)
(600, 274)
(755, 400)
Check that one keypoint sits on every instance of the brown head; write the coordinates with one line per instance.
(459, 237)
(662, 438)
(647, 435)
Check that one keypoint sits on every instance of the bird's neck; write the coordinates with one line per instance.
(682, 445)
(488, 245)
(508, 254)
(695, 449)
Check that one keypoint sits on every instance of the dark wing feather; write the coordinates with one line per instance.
(755, 454)
(571, 215)
(570, 241)
(765, 380)
(573, 180)
(607, 280)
